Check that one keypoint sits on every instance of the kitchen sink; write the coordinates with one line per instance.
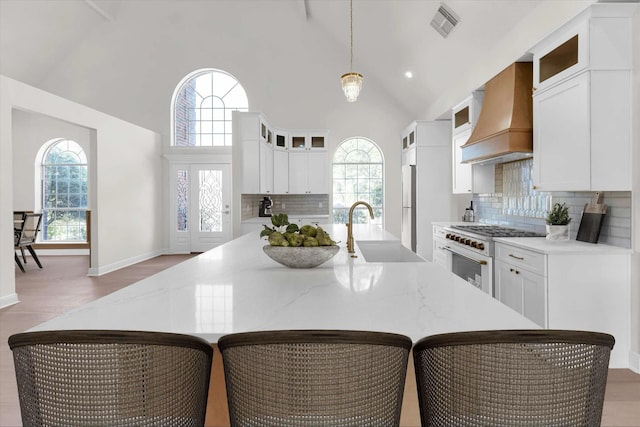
(386, 251)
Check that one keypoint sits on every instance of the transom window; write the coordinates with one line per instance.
(357, 175)
(64, 192)
(202, 109)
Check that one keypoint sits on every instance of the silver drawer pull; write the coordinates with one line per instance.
(516, 257)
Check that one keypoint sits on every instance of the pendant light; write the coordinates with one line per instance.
(351, 82)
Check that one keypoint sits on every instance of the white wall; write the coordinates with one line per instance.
(30, 132)
(128, 214)
(635, 195)
(235, 37)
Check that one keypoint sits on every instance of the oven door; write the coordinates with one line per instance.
(477, 269)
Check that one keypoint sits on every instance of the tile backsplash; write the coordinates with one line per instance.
(291, 204)
(516, 204)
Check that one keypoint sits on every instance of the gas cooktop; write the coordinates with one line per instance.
(496, 231)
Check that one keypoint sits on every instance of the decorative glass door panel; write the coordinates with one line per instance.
(201, 213)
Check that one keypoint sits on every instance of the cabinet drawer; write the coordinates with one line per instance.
(527, 260)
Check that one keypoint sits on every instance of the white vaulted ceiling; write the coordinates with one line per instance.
(114, 55)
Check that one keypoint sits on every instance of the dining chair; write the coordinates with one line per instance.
(512, 378)
(314, 378)
(26, 236)
(111, 378)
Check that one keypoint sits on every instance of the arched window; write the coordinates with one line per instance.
(64, 192)
(202, 107)
(357, 175)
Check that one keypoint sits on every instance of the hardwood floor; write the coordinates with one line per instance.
(62, 285)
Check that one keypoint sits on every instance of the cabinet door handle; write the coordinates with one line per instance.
(477, 261)
(516, 257)
(514, 271)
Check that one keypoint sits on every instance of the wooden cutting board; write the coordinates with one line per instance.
(592, 219)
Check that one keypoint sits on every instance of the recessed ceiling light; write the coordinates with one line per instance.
(408, 74)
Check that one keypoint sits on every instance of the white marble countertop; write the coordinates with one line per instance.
(542, 245)
(236, 288)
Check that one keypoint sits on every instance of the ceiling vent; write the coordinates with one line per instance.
(444, 20)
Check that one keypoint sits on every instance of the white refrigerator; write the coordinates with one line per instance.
(408, 236)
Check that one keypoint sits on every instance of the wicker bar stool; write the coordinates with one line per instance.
(111, 378)
(315, 378)
(512, 378)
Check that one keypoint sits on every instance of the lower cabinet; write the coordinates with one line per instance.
(567, 285)
(311, 220)
(522, 290)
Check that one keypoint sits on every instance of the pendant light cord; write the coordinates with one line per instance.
(351, 32)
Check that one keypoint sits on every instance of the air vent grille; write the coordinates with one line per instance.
(444, 20)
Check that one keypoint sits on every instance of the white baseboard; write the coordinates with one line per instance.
(61, 252)
(99, 271)
(8, 300)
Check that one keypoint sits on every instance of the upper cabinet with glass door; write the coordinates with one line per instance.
(596, 39)
(467, 178)
(266, 132)
(308, 140)
(583, 102)
(281, 140)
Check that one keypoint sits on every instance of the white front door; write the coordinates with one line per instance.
(201, 207)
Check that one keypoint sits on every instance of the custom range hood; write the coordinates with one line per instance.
(504, 130)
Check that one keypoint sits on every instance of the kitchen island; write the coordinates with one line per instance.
(237, 288)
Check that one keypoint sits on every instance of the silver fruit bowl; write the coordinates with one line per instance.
(301, 256)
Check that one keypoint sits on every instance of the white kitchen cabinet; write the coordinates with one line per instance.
(281, 139)
(440, 253)
(409, 157)
(249, 151)
(464, 115)
(567, 285)
(308, 172)
(467, 178)
(582, 133)
(522, 290)
(431, 145)
(599, 38)
(313, 140)
(280, 172)
(307, 219)
(255, 167)
(269, 163)
(462, 178)
(266, 168)
(266, 133)
(582, 103)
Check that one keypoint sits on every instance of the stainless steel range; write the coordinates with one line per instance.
(468, 250)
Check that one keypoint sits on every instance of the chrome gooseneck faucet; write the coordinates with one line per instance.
(350, 224)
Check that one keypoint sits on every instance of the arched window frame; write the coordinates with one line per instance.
(65, 207)
(205, 125)
(358, 180)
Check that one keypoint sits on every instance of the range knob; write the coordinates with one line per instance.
(474, 244)
(480, 246)
(467, 242)
(449, 236)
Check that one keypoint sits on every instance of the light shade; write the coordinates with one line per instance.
(351, 85)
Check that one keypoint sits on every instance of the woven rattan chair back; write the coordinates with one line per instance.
(111, 378)
(315, 378)
(512, 378)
